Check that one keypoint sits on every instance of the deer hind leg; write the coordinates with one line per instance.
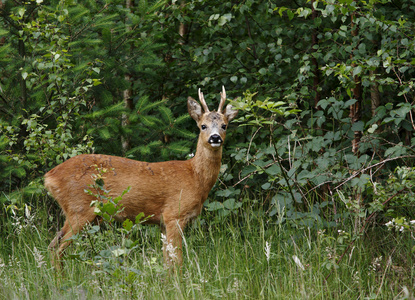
(62, 239)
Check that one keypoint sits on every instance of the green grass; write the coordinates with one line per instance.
(222, 259)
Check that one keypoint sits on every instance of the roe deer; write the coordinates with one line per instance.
(171, 192)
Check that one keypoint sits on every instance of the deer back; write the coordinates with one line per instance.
(174, 189)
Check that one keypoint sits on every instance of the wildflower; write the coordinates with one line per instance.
(38, 257)
(2, 266)
(267, 250)
(203, 280)
(27, 211)
(298, 262)
(406, 293)
(23, 289)
(356, 277)
(171, 251)
(235, 286)
(330, 253)
(376, 264)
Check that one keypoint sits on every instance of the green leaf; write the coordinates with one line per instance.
(127, 224)
(247, 170)
(94, 229)
(358, 126)
(266, 186)
(349, 103)
(214, 206)
(373, 128)
(290, 14)
(119, 252)
(224, 19)
(357, 71)
(231, 204)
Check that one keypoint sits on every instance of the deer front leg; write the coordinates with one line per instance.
(172, 244)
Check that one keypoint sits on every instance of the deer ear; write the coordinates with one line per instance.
(195, 111)
(230, 113)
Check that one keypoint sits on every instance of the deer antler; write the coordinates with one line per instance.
(203, 102)
(222, 99)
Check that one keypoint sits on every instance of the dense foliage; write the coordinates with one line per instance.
(325, 134)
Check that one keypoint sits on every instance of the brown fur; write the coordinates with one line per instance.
(172, 192)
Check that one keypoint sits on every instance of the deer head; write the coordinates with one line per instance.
(212, 124)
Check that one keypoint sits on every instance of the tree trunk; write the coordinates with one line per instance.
(355, 109)
(355, 116)
(128, 99)
(316, 71)
(182, 27)
(374, 93)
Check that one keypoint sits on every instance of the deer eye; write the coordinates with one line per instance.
(203, 127)
(224, 127)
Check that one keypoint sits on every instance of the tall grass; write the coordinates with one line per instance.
(241, 257)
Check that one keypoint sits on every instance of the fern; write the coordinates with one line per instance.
(105, 21)
(179, 148)
(104, 133)
(184, 133)
(182, 119)
(145, 9)
(77, 12)
(109, 111)
(5, 51)
(166, 114)
(143, 105)
(149, 121)
(144, 149)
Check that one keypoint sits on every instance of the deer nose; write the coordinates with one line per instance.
(215, 139)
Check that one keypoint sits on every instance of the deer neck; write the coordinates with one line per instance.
(206, 165)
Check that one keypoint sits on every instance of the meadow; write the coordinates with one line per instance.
(240, 256)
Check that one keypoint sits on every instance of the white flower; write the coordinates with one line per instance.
(267, 250)
(298, 262)
(38, 257)
(235, 286)
(171, 251)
